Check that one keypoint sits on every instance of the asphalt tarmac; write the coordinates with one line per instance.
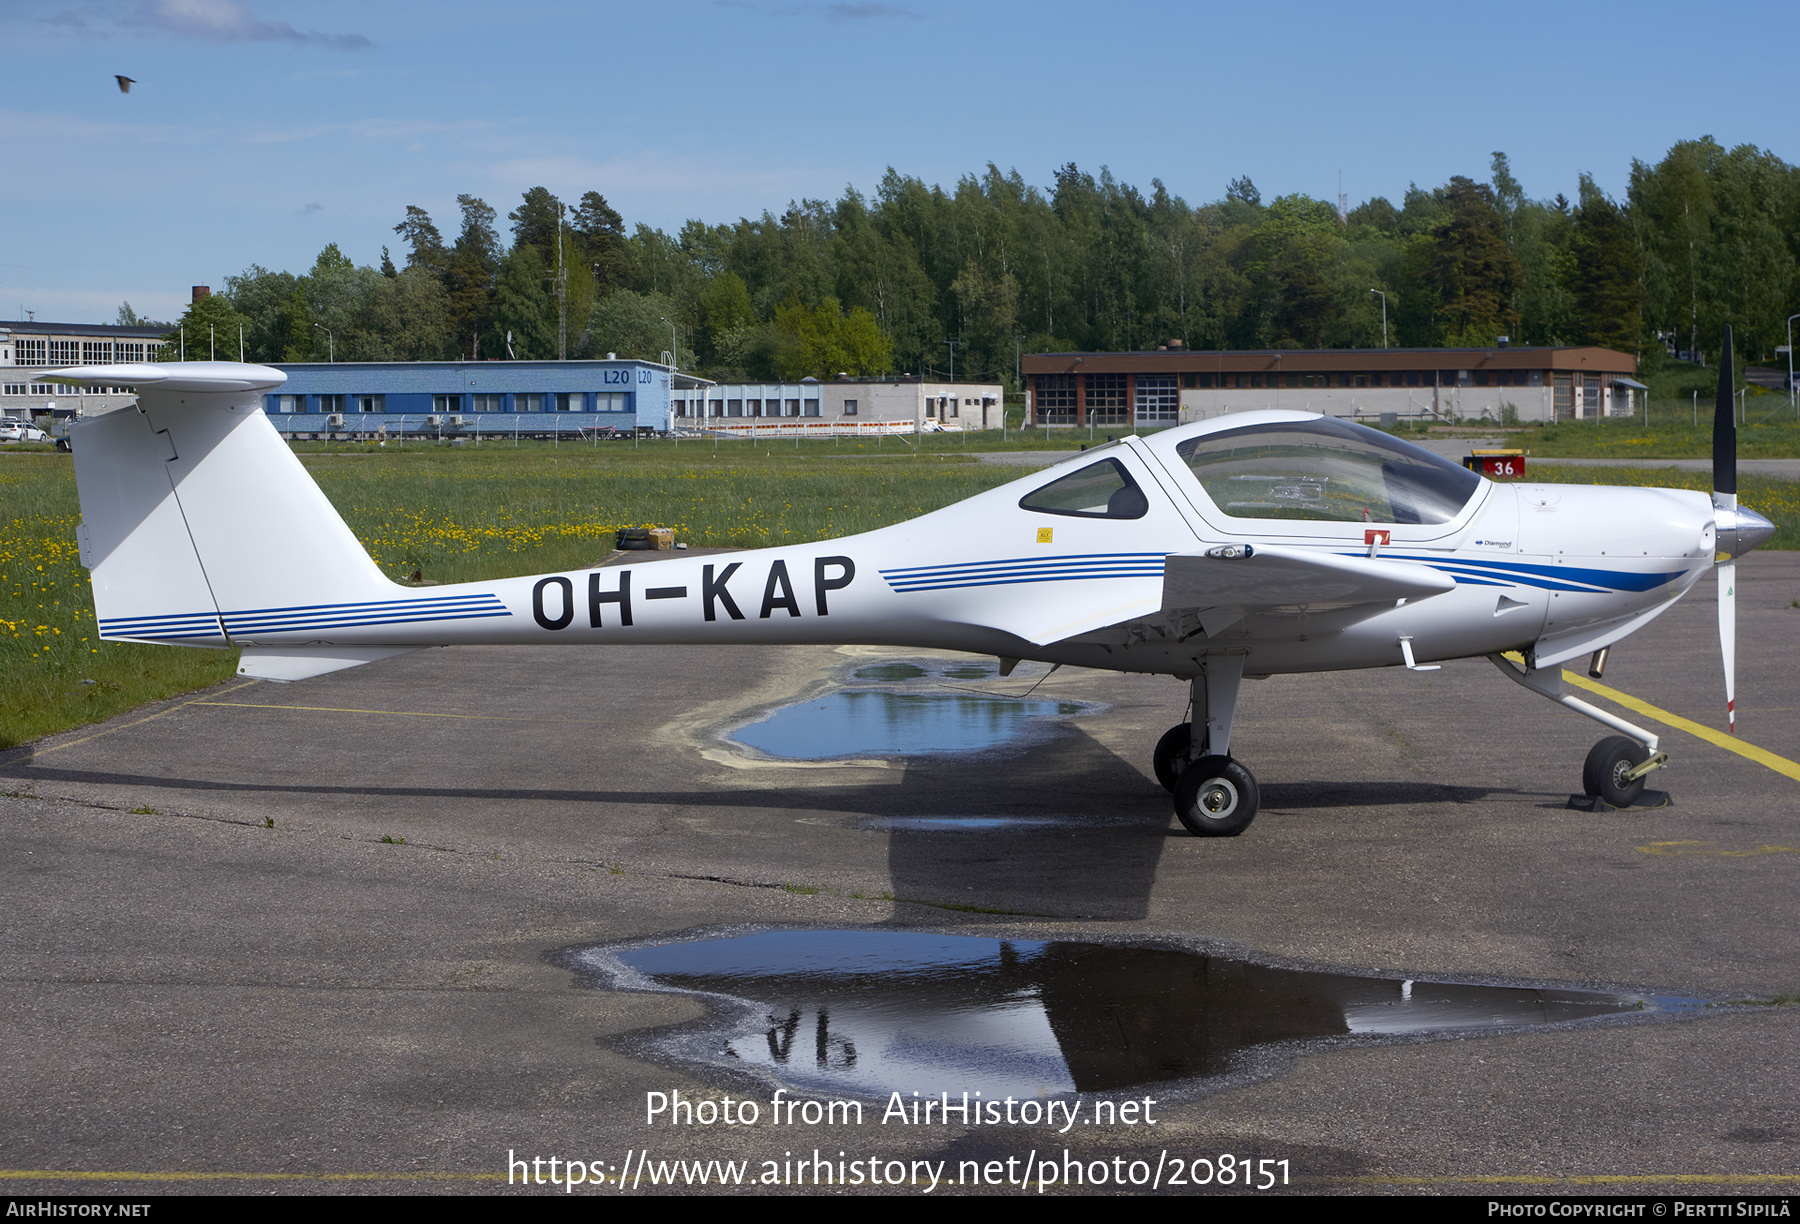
(317, 938)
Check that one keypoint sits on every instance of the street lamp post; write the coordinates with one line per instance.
(1790, 353)
(1378, 293)
(330, 343)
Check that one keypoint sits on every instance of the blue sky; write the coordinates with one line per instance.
(258, 131)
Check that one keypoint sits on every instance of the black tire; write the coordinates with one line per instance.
(1171, 756)
(1607, 764)
(1216, 797)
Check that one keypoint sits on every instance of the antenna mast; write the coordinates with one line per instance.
(562, 291)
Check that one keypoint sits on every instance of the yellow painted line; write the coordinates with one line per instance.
(1762, 756)
(1692, 847)
(186, 1176)
(135, 722)
(258, 705)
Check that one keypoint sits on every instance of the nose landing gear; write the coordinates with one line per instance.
(1613, 775)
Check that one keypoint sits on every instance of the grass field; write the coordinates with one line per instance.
(54, 672)
(462, 515)
(466, 514)
(1670, 435)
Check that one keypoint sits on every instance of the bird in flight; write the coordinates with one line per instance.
(125, 83)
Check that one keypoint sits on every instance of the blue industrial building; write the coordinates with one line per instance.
(446, 397)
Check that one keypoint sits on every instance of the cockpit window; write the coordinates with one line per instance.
(1326, 470)
(1099, 490)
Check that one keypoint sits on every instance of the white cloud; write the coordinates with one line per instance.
(229, 21)
(213, 20)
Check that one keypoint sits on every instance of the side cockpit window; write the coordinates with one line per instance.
(1100, 490)
(1326, 470)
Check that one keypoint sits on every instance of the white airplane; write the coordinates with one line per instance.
(1244, 546)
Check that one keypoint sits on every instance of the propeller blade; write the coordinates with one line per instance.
(1725, 509)
(1728, 639)
(1724, 437)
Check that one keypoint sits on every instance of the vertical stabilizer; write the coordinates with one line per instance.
(147, 579)
(200, 523)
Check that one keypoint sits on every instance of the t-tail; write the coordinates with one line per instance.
(199, 524)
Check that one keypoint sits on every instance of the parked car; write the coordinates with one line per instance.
(20, 431)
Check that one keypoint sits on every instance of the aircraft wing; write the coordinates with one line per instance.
(1220, 588)
(1273, 576)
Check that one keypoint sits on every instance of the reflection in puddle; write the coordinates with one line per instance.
(890, 673)
(872, 1012)
(864, 721)
(900, 671)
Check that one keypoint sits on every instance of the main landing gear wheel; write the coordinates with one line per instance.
(1216, 797)
(1171, 756)
(1608, 763)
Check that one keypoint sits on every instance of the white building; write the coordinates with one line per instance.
(840, 402)
(29, 346)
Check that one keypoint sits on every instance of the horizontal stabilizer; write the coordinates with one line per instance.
(234, 383)
(285, 663)
(1277, 576)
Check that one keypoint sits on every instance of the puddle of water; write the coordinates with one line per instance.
(899, 672)
(863, 722)
(873, 1012)
(890, 673)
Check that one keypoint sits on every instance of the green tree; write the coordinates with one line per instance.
(324, 311)
(209, 329)
(1476, 275)
(535, 222)
(987, 316)
(524, 307)
(131, 318)
(1607, 276)
(474, 263)
(407, 318)
(1544, 238)
(822, 341)
(1298, 241)
(262, 296)
(725, 311)
(1673, 204)
(603, 246)
(630, 324)
(424, 244)
(861, 346)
